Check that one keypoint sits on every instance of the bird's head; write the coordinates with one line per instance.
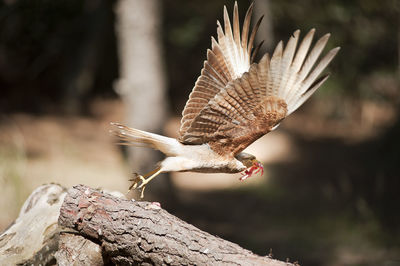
(253, 166)
(247, 159)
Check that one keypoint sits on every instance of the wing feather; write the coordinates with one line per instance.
(235, 101)
(253, 35)
(319, 68)
(217, 61)
(301, 80)
(302, 52)
(286, 63)
(255, 103)
(310, 91)
(246, 25)
(236, 32)
(292, 74)
(230, 49)
(236, 116)
(263, 75)
(214, 73)
(275, 68)
(227, 60)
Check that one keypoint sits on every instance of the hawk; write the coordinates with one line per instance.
(235, 101)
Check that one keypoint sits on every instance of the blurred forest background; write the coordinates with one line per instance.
(331, 191)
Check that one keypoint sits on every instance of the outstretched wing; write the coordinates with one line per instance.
(227, 60)
(238, 115)
(254, 104)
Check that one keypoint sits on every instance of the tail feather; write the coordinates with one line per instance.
(140, 138)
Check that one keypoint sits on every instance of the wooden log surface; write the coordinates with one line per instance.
(74, 249)
(132, 232)
(85, 226)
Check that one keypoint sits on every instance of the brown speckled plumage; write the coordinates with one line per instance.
(218, 69)
(238, 115)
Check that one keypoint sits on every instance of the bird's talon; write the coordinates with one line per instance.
(142, 192)
(135, 181)
(144, 182)
(140, 182)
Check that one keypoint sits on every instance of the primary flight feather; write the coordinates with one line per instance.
(236, 101)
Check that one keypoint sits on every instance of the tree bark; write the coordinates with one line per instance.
(77, 250)
(136, 232)
(97, 228)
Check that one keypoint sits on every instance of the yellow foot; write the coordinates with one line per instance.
(144, 181)
(135, 181)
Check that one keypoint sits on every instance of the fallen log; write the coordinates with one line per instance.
(97, 228)
(136, 232)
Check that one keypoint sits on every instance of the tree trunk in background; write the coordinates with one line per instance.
(141, 84)
(265, 32)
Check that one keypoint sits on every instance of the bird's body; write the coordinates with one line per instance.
(236, 101)
(201, 158)
(183, 158)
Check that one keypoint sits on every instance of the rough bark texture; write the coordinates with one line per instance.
(77, 250)
(141, 232)
(96, 228)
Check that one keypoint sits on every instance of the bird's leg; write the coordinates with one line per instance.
(153, 174)
(135, 180)
(144, 179)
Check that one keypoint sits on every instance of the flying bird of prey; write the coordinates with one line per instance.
(235, 101)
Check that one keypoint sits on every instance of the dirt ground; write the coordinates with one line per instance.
(291, 208)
